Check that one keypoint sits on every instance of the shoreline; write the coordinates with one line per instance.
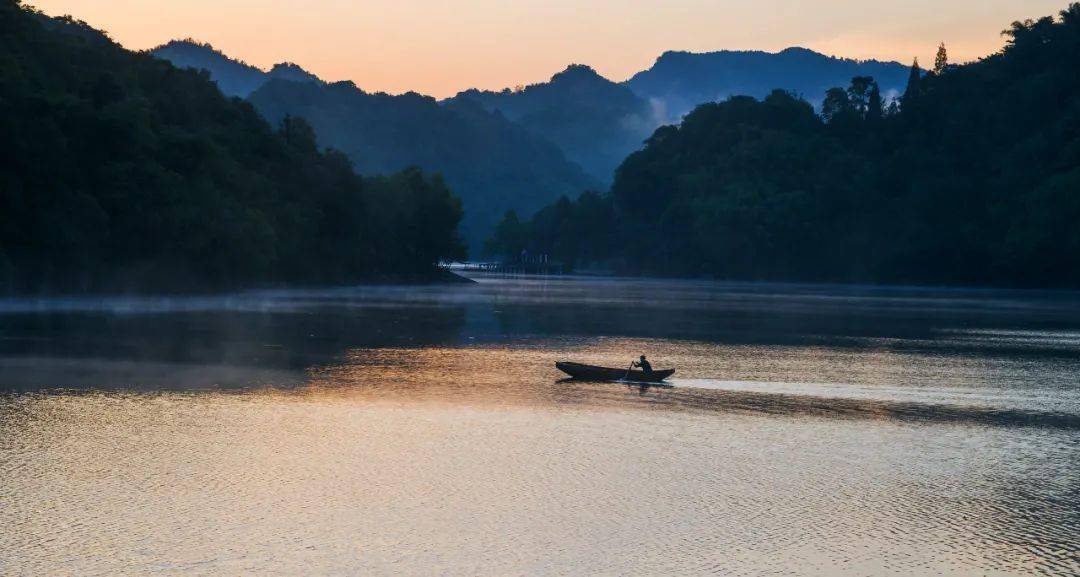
(436, 277)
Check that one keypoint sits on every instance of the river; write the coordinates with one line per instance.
(810, 430)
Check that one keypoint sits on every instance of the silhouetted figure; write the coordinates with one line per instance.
(644, 364)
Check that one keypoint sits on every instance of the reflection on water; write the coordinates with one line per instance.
(810, 430)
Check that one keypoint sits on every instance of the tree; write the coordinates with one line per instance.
(876, 110)
(859, 93)
(861, 100)
(837, 102)
(298, 133)
(509, 238)
(914, 85)
(941, 61)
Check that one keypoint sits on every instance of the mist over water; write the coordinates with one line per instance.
(811, 430)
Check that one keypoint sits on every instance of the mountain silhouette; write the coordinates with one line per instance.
(291, 72)
(596, 122)
(518, 149)
(233, 77)
(491, 163)
(679, 81)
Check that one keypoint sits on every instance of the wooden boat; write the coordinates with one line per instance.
(592, 373)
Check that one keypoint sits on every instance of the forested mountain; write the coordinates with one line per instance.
(595, 121)
(233, 77)
(121, 171)
(951, 188)
(482, 150)
(679, 81)
(493, 164)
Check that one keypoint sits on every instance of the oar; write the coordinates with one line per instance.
(628, 369)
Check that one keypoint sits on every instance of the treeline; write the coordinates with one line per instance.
(120, 171)
(972, 178)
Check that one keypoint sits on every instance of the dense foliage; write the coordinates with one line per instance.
(119, 170)
(973, 178)
(593, 120)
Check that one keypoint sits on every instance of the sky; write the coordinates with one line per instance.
(440, 47)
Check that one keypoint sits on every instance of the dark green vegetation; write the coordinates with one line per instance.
(593, 120)
(973, 178)
(679, 81)
(120, 171)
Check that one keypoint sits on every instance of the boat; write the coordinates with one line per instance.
(593, 373)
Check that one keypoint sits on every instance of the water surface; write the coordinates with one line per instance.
(812, 430)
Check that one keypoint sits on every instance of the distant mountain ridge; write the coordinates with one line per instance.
(234, 77)
(679, 81)
(493, 164)
(596, 122)
(521, 149)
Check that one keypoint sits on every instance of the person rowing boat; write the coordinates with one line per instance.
(594, 373)
(644, 365)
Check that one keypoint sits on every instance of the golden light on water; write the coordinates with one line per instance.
(335, 480)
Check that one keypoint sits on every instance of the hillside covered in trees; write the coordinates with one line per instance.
(973, 178)
(120, 171)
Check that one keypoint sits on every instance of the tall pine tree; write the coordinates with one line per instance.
(911, 94)
(876, 107)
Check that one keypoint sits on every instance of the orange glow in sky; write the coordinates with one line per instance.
(440, 47)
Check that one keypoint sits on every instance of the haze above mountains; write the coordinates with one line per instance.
(521, 149)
